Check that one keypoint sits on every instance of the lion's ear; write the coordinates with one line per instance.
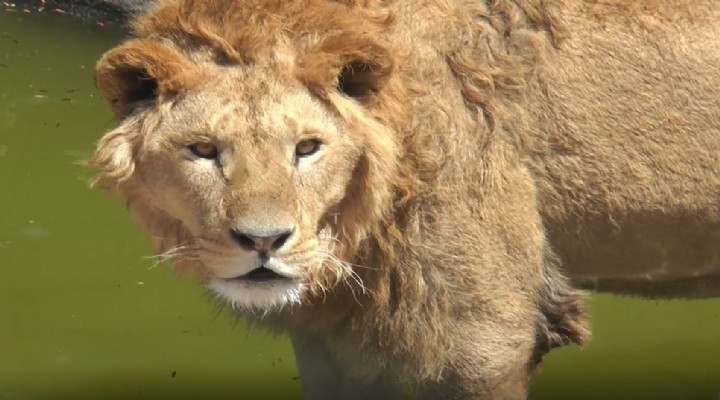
(138, 73)
(362, 79)
(357, 67)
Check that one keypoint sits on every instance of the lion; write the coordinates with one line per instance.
(418, 192)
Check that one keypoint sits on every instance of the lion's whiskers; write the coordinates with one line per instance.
(184, 251)
(347, 271)
(334, 240)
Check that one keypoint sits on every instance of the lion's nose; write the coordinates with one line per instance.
(262, 243)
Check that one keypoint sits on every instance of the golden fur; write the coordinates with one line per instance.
(469, 150)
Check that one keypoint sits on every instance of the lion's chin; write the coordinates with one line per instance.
(254, 296)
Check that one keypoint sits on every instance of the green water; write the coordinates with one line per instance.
(83, 315)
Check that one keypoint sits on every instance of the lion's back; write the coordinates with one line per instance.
(630, 172)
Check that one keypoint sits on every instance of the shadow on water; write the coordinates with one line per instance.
(140, 387)
(633, 386)
(83, 316)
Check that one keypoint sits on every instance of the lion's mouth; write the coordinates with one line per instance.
(260, 275)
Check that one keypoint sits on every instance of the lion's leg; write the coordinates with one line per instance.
(325, 378)
(519, 307)
(482, 370)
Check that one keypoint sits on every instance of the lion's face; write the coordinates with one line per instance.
(264, 175)
(254, 172)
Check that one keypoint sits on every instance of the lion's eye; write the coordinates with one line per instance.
(204, 150)
(307, 147)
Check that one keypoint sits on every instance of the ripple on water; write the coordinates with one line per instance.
(34, 231)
